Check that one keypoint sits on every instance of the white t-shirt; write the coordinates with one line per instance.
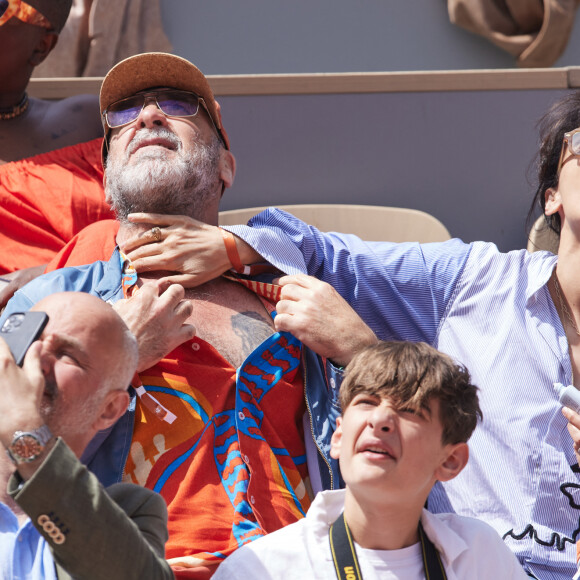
(469, 549)
(391, 564)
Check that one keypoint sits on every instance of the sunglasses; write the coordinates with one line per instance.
(171, 102)
(24, 12)
(572, 139)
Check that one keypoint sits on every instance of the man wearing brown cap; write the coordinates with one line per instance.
(232, 427)
(50, 171)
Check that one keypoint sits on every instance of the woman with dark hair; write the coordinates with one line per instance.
(512, 319)
(563, 117)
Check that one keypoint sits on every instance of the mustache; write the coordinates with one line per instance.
(147, 134)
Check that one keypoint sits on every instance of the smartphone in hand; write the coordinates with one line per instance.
(20, 330)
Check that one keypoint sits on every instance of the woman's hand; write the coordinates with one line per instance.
(194, 250)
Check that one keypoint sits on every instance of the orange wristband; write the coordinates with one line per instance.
(232, 252)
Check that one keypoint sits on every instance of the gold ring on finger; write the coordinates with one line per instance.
(156, 233)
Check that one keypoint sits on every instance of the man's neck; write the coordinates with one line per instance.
(12, 98)
(129, 230)
(383, 526)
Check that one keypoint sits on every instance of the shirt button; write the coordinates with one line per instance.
(332, 383)
(252, 500)
(195, 346)
(241, 415)
(246, 459)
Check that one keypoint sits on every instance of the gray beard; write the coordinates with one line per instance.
(60, 421)
(153, 185)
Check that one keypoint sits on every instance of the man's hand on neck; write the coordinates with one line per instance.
(157, 315)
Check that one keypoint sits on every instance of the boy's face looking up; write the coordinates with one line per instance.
(394, 452)
(408, 411)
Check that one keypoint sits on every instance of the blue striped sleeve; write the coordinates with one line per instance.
(401, 290)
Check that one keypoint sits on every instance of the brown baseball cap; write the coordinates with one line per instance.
(158, 69)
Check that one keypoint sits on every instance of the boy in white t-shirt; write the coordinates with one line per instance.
(408, 411)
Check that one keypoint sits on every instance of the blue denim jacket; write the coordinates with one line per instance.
(107, 453)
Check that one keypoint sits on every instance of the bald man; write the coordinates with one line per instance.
(73, 384)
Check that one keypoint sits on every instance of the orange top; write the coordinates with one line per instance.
(232, 465)
(96, 242)
(45, 200)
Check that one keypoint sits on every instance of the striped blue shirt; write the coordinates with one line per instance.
(24, 553)
(493, 313)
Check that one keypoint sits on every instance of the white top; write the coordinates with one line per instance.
(469, 549)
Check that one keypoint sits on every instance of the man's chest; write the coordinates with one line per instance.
(229, 317)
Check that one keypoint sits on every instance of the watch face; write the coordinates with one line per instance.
(26, 447)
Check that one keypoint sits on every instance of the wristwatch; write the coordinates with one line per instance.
(28, 445)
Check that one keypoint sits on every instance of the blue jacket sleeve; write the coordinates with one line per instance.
(401, 290)
(101, 279)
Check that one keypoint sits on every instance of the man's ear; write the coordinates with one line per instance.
(553, 201)
(112, 408)
(454, 460)
(227, 168)
(43, 48)
(336, 440)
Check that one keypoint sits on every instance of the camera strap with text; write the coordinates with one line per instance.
(346, 561)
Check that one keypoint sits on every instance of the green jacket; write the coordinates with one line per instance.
(94, 533)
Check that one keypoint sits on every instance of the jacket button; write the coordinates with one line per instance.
(59, 539)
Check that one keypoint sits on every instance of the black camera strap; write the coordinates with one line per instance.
(346, 562)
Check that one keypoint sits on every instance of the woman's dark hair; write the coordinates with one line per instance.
(563, 116)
